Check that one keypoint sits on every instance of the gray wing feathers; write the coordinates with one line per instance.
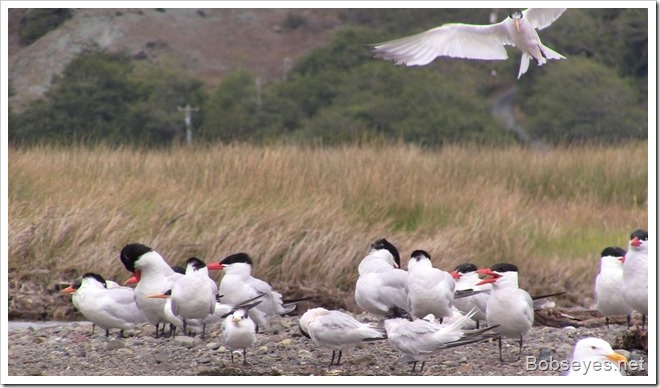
(541, 18)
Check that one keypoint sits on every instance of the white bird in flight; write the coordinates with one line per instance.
(471, 41)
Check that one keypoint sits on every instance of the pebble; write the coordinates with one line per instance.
(115, 344)
(37, 352)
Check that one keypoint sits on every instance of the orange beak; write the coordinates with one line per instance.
(157, 296)
(488, 272)
(635, 242)
(517, 23)
(617, 358)
(455, 275)
(215, 267)
(68, 290)
(134, 279)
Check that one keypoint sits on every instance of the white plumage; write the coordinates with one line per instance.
(485, 42)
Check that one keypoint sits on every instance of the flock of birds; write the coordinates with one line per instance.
(421, 311)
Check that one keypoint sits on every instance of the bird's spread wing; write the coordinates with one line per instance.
(541, 18)
(450, 40)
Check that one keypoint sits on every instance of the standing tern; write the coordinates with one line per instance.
(477, 41)
(238, 285)
(509, 307)
(594, 356)
(421, 339)
(636, 273)
(195, 326)
(239, 332)
(429, 290)
(609, 289)
(336, 330)
(381, 283)
(107, 308)
(154, 276)
(193, 295)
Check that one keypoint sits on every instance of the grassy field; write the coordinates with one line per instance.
(308, 215)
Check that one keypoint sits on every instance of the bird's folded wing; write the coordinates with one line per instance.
(450, 40)
(541, 18)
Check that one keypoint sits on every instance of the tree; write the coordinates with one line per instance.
(583, 100)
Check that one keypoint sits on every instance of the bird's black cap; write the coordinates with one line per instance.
(241, 257)
(96, 277)
(466, 267)
(384, 244)
(196, 263)
(178, 269)
(420, 254)
(640, 234)
(613, 251)
(130, 253)
(503, 267)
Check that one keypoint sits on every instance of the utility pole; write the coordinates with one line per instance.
(188, 109)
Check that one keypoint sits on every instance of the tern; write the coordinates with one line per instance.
(470, 41)
(608, 290)
(107, 308)
(430, 290)
(238, 285)
(239, 332)
(195, 326)
(381, 283)
(336, 330)
(636, 273)
(193, 295)
(421, 339)
(509, 307)
(153, 275)
(594, 356)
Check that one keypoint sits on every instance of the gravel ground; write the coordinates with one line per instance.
(69, 349)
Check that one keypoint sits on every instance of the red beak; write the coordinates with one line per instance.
(488, 272)
(635, 242)
(215, 267)
(68, 290)
(133, 280)
(455, 275)
(622, 259)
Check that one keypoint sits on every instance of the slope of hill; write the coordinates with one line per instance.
(209, 43)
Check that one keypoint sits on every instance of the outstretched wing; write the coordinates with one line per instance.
(450, 40)
(541, 18)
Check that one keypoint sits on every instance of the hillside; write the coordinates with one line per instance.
(209, 43)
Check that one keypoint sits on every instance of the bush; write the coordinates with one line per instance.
(39, 21)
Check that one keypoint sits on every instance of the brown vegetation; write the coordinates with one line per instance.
(308, 215)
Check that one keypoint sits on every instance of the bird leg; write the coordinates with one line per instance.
(499, 343)
(420, 369)
(121, 333)
(628, 320)
(339, 358)
(332, 360)
(157, 330)
(607, 322)
(231, 352)
(414, 365)
(244, 357)
(203, 329)
(184, 328)
(107, 333)
(520, 348)
(93, 327)
(172, 330)
(477, 323)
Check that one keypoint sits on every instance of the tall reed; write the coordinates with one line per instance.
(308, 215)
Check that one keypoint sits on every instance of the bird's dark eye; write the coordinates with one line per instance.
(593, 347)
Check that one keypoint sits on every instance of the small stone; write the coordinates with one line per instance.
(213, 345)
(276, 338)
(305, 354)
(546, 354)
(204, 360)
(263, 348)
(187, 342)
(160, 356)
(286, 342)
(78, 338)
(164, 367)
(450, 364)
(115, 344)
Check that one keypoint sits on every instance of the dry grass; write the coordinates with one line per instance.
(308, 215)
